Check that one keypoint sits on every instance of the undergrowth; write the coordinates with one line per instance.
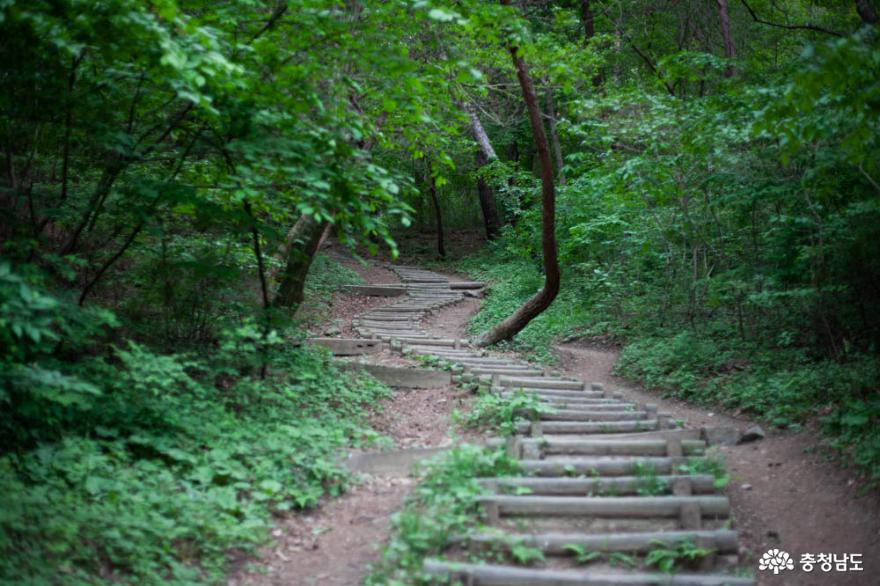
(136, 467)
(492, 411)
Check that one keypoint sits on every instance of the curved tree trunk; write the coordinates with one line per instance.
(534, 306)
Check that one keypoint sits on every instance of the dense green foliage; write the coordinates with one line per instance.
(718, 212)
(136, 467)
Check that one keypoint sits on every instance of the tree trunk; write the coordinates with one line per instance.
(301, 246)
(587, 22)
(485, 154)
(537, 304)
(554, 136)
(491, 219)
(432, 191)
(724, 21)
(866, 11)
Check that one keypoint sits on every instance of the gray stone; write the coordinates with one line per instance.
(752, 434)
(722, 435)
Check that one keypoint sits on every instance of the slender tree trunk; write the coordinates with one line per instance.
(537, 304)
(485, 154)
(491, 218)
(301, 246)
(554, 136)
(587, 21)
(866, 11)
(724, 22)
(432, 191)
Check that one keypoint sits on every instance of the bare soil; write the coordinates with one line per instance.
(784, 492)
(332, 545)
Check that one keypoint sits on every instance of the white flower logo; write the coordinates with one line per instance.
(776, 560)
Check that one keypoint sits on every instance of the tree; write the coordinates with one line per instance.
(542, 300)
(432, 192)
(485, 155)
(724, 24)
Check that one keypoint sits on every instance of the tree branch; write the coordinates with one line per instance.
(808, 27)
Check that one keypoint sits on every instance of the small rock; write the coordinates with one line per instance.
(710, 414)
(752, 434)
(473, 294)
(746, 487)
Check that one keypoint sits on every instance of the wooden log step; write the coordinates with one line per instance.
(498, 575)
(591, 415)
(600, 466)
(399, 326)
(562, 393)
(409, 333)
(574, 405)
(664, 434)
(375, 290)
(572, 427)
(613, 406)
(722, 541)
(347, 346)
(543, 383)
(592, 402)
(489, 362)
(434, 342)
(619, 485)
(387, 318)
(439, 351)
(637, 507)
(525, 371)
(612, 447)
(463, 285)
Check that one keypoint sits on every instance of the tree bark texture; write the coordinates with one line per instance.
(485, 154)
(301, 246)
(724, 23)
(542, 300)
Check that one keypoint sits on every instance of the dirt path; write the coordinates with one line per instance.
(334, 544)
(784, 493)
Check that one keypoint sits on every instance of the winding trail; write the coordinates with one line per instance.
(603, 479)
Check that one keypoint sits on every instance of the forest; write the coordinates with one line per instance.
(696, 182)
